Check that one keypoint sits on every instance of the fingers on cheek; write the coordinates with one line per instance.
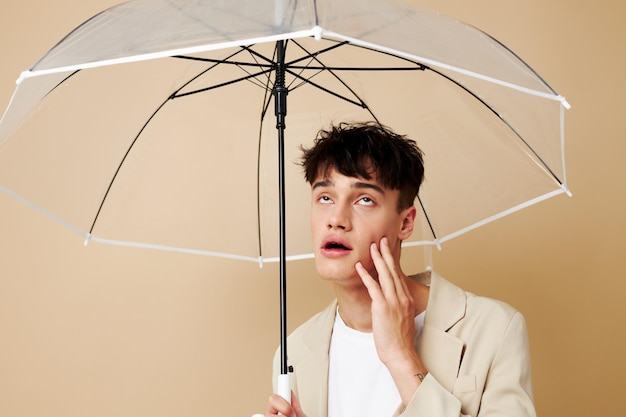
(360, 269)
(374, 252)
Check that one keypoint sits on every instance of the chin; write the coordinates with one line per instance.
(335, 271)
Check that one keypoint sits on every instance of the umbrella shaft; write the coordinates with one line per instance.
(280, 109)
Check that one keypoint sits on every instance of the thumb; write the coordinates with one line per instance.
(295, 404)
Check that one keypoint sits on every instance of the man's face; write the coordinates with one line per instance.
(348, 214)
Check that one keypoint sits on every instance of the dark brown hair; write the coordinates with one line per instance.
(362, 149)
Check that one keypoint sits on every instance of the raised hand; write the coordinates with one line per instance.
(393, 320)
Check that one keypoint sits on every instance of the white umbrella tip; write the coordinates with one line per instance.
(317, 32)
(566, 190)
(23, 76)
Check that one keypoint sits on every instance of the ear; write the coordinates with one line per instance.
(408, 222)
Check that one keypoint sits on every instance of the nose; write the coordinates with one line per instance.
(339, 217)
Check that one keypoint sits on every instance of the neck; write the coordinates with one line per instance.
(355, 308)
(355, 304)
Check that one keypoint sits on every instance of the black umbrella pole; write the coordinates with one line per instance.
(280, 109)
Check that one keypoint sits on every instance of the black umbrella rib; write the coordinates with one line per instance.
(308, 56)
(247, 48)
(226, 61)
(314, 57)
(136, 138)
(391, 55)
(268, 68)
(224, 84)
(62, 81)
(503, 120)
(332, 70)
(174, 95)
(528, 67)
(119, 166)
(430, 225)
(359, 103)
(382, 69)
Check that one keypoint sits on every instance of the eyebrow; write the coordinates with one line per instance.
(358, 184)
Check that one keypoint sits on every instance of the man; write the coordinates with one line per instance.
(392, 344)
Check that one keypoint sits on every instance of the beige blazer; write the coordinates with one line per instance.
(475, 348)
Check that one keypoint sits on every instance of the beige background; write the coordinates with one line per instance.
(103, 331)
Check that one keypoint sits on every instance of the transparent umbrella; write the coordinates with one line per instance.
(176, 125)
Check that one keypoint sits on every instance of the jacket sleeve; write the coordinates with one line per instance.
(507, 390)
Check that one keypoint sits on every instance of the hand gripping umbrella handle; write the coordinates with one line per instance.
(283, 389)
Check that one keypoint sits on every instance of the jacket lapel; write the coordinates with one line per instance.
(312, 371)
(441, 351)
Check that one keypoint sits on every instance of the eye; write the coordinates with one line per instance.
(324, 199)
(365, 201)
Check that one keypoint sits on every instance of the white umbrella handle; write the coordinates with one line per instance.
(284, 387)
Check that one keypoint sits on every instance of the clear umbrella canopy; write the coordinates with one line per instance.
(152, 123)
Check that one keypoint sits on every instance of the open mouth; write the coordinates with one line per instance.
(335, 246)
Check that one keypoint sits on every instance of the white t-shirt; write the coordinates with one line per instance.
(359, 385)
